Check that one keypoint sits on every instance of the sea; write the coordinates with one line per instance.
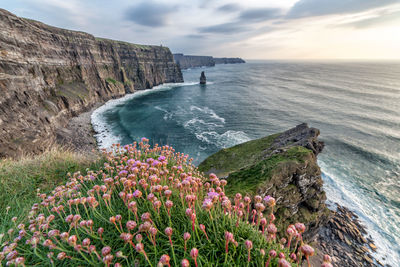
(356, 106)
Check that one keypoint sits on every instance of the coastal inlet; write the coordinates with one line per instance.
(356, 106)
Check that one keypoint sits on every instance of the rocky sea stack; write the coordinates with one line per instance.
(203, 79)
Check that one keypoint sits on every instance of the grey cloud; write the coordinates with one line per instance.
(308, 8)
(259, 14)
(381, 19)
(196, 36)
(243, 21)
(228, 8)
(150, 13)
(225, 28)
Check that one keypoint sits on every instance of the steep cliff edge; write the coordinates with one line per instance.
(188, 61)
(228, 60)
(48, 75)
(285, 166)
(282, 165)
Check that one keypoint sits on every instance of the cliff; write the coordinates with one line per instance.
(48, 75)
(188, 61)
(279, 165)
(228, 60)
(284, 165)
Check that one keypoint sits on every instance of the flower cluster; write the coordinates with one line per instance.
(150, 206)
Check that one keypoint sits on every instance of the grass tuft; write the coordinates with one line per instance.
(20, 178)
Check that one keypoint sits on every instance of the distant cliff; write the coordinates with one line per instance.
(189, 61)
(228, 60)
(48, 75)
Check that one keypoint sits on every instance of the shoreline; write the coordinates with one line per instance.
(343, 237)
(79, 134)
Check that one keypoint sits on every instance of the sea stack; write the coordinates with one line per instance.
(203, 79)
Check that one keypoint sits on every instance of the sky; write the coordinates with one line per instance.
(251, 29)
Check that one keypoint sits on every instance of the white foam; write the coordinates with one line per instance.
(227, 139)
(104, 134)
(195, 122)
(340, 191)
(207, 110)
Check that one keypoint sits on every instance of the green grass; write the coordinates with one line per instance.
(111, 80)
(73, 90)
(239, 156)
(248, 179)
(19, 179)
(138, 46)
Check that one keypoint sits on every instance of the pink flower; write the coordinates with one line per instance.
(137, 194)
(185, 263)
(194, 253)
(249, 246)
(164, 260)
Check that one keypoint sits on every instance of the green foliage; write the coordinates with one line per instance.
(20, 178)
(111, 80)
(157, 189)
(233, 158)
(248, 179)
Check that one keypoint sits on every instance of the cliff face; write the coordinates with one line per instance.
(48, 75)
(187, 61)
(228, 60)
(281, 165)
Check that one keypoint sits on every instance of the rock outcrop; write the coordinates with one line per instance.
(189, 61)
(285, 166)
(48, 75)
(344, 239)
(282, 165)
(228, 60)
(203, 79)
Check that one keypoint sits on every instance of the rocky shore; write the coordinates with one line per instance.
(346, 239)
(78, 134)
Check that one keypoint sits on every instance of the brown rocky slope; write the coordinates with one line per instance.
(48, 75)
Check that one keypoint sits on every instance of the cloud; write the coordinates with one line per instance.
(380, 19)
(308, 8)
(196, 36)
(224, 28)
(229, 8)
(151, 14)
(259, 14)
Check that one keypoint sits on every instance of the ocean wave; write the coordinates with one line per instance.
(368, 153)
(227, 139)
(199, 123)
(375, 217)
(207, 110)
(104, 134)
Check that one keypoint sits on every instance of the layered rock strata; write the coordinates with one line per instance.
(189, 61)
(48, 75)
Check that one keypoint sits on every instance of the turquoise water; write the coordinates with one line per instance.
(355, 105)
